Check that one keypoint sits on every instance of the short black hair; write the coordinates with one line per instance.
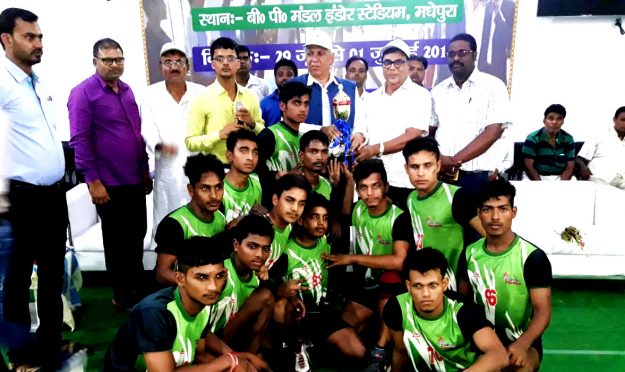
(106, 43)
(366, 168)
(223, 43)
(495, 189)
(423, 60)
(199, 164)
(10, 15)
(356, 58)
(619, 111)
(557, 109)
(243, 49)
(421, 144)
(199, 251)
(252, 224)
(287, 63)
(290, 181)
(465, 37)
(315, 200)
(292, 89)
(241, 134)
(424, 260)
(310, 136)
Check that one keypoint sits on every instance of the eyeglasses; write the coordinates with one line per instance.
(398, 63)
(222, 59)
(109, 61)
(169, 63)
(460, 53)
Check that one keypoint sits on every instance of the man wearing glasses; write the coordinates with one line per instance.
(394, 114)
(224, 106)
(164, 115)
(259, 86)
(471, 113)
(105, 129)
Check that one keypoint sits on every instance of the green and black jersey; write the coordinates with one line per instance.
(307, 263)
(238, 202)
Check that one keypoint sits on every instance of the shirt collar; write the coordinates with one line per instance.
(120, 84)
(18, 74)
(405, 85)
(471, 80)
(311, 80)
(219, 89)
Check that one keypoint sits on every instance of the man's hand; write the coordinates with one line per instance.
(167, 149)
(584, 173)
(334, 171)
(148, 183)
(243, 115)
(367, 152)
(449, 165)
(517, 354)
(257, 363)
(337, 259)
(229, 128)
(263, 273)
(98, 192)
(331, 131)
(290, 288)
(358, 141)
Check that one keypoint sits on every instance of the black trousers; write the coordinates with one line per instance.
(39, 218)
(124, 223)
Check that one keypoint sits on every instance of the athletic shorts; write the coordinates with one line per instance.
(388, 285)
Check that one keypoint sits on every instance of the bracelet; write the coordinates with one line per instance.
(381, 149)
(234, 360)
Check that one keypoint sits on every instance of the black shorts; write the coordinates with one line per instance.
(388, 285)
(321, 321)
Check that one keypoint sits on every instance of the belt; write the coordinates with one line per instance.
(463, 172)
(20, 185)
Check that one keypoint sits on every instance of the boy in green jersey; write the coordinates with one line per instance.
(166, 326)
(380, 249)
(313, 156)
(201, 217)
(509, 277)
(437, 211)
(317, 318)
(435, 331)
(242, 188)
(279, 143)
(246, 303)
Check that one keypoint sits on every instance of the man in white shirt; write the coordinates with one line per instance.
(252, 82)
(603, 160)
(394, 114)
(164, 113)
(471, 112)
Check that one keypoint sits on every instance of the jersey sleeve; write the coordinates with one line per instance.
(471, 319)
(537, 270)
(169, 236)
(402, 229)
(266, 145)
(461, 272)
(392, 314)
(153, 328)
(463, 207)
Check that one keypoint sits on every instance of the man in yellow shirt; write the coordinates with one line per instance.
(224, 106)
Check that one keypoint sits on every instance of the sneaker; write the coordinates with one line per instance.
(302, 360)
(377, 360)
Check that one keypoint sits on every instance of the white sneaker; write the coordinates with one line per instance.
(302, 360)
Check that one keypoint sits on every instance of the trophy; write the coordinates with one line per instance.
(342, 110)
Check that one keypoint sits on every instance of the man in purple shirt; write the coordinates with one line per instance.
(106, 136)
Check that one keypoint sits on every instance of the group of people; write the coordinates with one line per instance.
(253, 217)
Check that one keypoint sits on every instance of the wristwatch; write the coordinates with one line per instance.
(381, 149)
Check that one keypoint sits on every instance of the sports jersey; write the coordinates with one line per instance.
(374, 234)
(441, 344)
(238, 202)
(306, 262)
(278, 245)
(501, 283)
(434, 226)
(324, 187)
(183, 224)
(286, 148)
(232, 298)
(157, 323)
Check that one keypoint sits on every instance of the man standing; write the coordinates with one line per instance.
(252, 82)
(36, 166)
(356, 70)
(284, 70)
(164, 113)
(509, 277)
(224, 106)
(394, 114)
(106, 136)
(471, 113)
(324, 85)
(416, 67)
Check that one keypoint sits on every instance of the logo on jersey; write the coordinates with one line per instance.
(382, 241)
(445, 345)
(431, 223)
(476, 275)
(510, 280)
